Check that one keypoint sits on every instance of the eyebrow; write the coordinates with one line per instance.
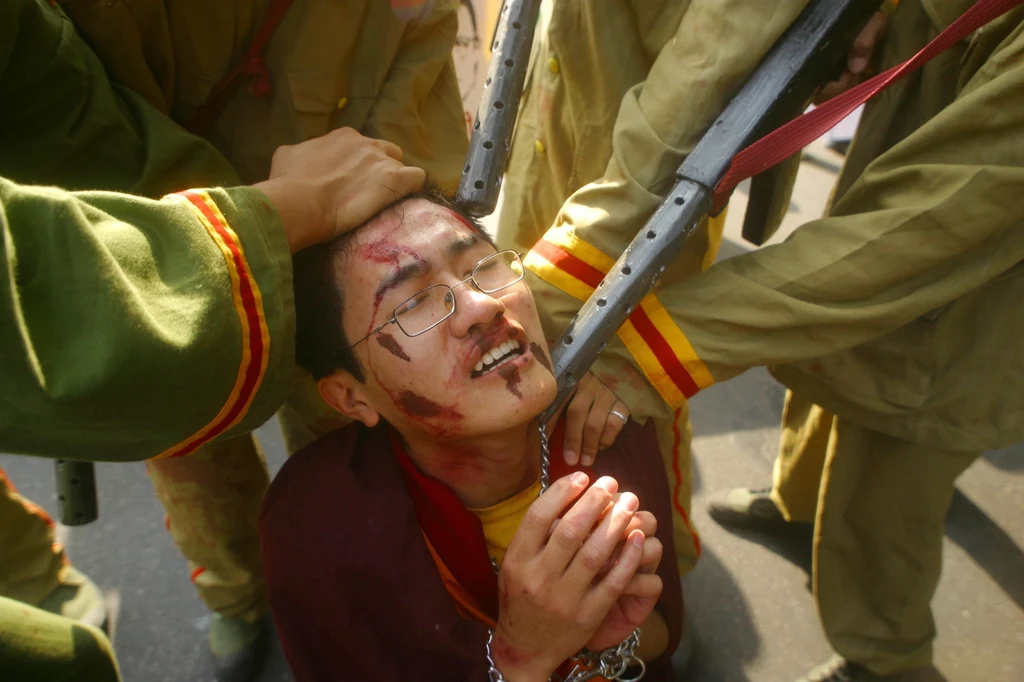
(400, 276)
(460, 246)
(418, 268)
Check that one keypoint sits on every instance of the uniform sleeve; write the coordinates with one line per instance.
(933, 218)
(716, 46)
(419, 107)
(131, 328)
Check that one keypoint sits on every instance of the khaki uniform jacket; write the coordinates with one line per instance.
(115, 308)
(917, 320)
(331, 64)
(902, 308)
(618, 92)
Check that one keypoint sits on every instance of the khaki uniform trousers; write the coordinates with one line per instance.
(34, 644)
(878, 505)
(212, 499)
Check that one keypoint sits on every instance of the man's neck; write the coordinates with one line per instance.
(482, 471)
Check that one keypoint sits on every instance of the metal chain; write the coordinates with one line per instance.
(493, 674)
(613, 663)
(545, 459)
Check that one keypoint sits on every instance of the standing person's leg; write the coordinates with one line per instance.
(793, 497)
(798, 468)
(878, 545)
(212, 500)
(674, 436)
(34, 568)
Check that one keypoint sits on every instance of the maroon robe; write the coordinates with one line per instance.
(354, 590)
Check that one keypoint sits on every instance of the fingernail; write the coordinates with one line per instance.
(587, 460)
(579, 478)
(570, 457)
(629, 502)
(637, 538)
(858, 64)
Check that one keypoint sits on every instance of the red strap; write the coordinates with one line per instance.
(251, 64)
(783, 142)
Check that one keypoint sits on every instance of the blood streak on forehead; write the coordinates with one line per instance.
(462, 219)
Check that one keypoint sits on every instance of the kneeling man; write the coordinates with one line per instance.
(415, 544)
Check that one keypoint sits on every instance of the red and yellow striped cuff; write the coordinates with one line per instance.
(248, 304)
(659, 346)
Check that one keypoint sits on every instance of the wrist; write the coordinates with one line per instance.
(514, 665)
(298, 218)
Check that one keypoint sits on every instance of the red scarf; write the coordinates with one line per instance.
(455, 532)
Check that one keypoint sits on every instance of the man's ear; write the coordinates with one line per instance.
(344, 393)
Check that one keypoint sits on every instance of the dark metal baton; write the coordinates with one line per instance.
(802, 60)
(76, 492)
(499, 103)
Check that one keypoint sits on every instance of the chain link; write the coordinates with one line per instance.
(493, 674)
(612, 664)
(545, 459)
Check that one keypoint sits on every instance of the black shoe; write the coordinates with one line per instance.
(746, 508)
(238, 647)
(838, 669)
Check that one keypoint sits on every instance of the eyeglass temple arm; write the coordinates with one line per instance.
(801, 60)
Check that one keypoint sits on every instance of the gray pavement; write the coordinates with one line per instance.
(748, 601)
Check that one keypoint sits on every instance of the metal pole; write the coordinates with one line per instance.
(76, 492)
(499, 104)
(790, 73)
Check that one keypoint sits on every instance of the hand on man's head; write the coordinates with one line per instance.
(331, 184)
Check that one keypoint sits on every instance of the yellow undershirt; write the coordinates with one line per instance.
(501, 520)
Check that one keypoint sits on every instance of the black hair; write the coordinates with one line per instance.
(321, 346)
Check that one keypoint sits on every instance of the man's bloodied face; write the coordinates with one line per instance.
(483, 369)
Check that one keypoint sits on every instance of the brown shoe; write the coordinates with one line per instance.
(747, 509)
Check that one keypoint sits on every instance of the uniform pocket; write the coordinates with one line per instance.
(318, 98)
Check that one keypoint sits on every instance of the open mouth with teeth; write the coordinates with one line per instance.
(496, 357)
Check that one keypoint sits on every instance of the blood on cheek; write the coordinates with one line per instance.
(391, 345)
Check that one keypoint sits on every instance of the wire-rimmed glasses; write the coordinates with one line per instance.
(423, 311)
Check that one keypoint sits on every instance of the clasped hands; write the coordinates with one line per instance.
(585, 578)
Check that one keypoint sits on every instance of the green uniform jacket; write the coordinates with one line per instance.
(901, 309)
(114, 309)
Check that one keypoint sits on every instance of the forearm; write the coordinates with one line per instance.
(134, 327)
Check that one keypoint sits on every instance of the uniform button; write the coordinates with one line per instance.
(342, 102)
(552, 65)
(539, 146)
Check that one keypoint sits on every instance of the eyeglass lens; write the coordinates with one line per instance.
(432, 305)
